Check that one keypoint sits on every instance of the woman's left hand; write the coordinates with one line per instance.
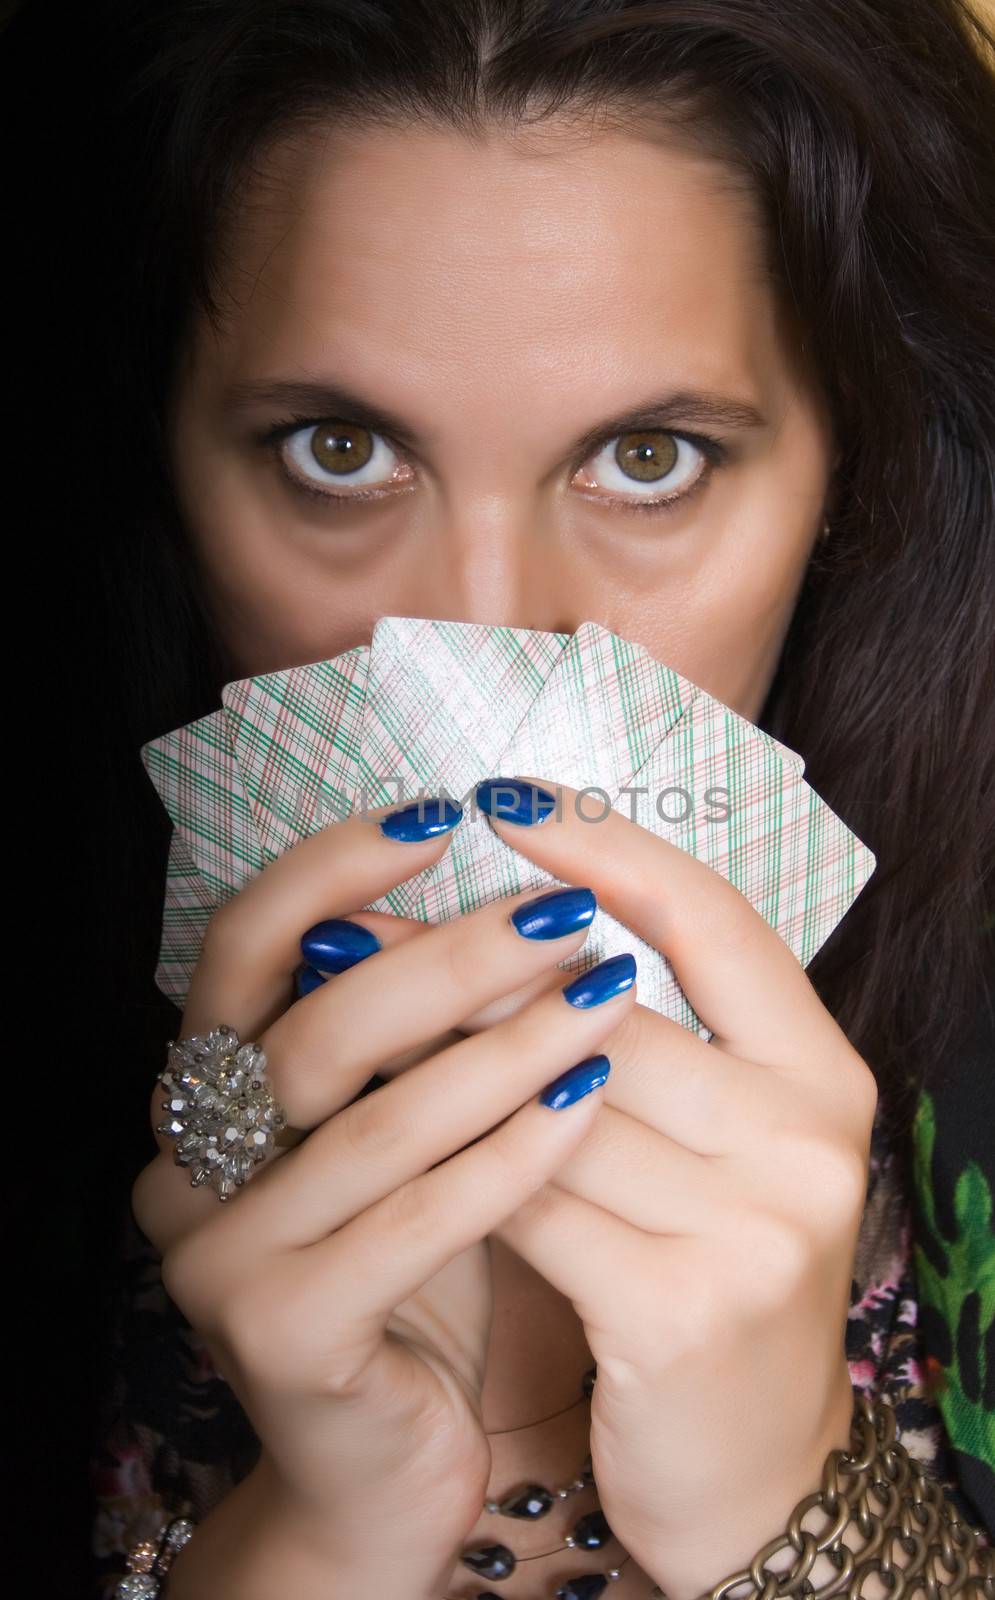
(705, 1230)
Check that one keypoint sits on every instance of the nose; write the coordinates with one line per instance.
(501, 569)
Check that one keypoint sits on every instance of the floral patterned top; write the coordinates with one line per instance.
(921, 1329)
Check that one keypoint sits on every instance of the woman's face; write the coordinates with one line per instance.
(499, 354)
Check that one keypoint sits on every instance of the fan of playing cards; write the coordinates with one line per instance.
(433, 707)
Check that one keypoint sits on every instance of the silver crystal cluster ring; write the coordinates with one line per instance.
(219, 1108)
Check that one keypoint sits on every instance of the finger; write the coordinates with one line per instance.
(593, 1258)
(338, 943)
(688, 1090)
(327, 1045)
(643, 1178)
(410, 1235)
(334, 944)
(252, 944)
(404, 1241)
(506, 1005)
(386, 1141)
(333, 947)
(244, 975)
(429, 1112)
(743, 981)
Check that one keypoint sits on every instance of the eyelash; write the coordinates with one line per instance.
(714, 450)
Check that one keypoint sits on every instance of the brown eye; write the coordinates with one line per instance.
(647, 457)
(321, 457)
(664, 461)
(341, 447)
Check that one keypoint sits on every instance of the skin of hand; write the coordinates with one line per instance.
(705, 1228)
(344, 1291)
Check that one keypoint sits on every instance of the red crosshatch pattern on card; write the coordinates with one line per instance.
(434, 705)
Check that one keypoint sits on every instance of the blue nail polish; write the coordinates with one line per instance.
(334, 945)
(554, 914)
(576, 1082)
(513, 800)
(602, 982)
(307, 980)
(422, 819)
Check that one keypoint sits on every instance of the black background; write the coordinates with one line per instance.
(83, 1025)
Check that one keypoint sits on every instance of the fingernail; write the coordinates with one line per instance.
(554, 914)
(307, 979)
(422, 819)
(576, 1082)
(602, 982)
(513, 800)
(335, 944)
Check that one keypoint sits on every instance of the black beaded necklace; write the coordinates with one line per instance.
(528, 1503)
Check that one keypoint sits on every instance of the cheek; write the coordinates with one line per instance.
(727, 638)
(274, 608)
(273, 598)
(728, 614)
(720, 615)
(740, 632)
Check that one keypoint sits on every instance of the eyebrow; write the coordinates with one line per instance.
(325, 399)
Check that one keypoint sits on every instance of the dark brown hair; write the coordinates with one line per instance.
(866, 127)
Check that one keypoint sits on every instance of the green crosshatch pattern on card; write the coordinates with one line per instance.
(295, 735)
(197, 776)
(187, 909)
(444, 699)
(445, 704)
(296, 730)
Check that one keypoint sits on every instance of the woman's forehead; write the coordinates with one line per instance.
(449, 250)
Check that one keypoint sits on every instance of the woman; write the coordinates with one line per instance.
(671, 315)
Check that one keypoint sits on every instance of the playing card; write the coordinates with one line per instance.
(575, 724)
(435, 706)
(295, 736)
(630, 733)
(198, 779)
(443, 698)
(187, 908)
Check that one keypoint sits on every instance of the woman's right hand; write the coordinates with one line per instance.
(344, 1291)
